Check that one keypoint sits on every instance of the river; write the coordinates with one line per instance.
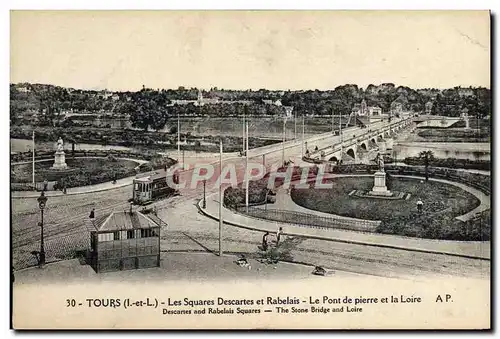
(23, 145)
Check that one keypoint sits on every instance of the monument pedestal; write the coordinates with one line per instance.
(60, 161)
(380, 188)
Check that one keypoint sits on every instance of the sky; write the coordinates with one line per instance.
(124, 50)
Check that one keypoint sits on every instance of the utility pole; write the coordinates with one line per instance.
(204, 194)
(244, 118)
(178, 138)
(283, 143)
(295, 125)
(333, 123)
(246, 172)
(220, 200)
(33, 169)
(341, 138)
(302, 143)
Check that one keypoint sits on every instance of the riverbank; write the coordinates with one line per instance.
(85, 138)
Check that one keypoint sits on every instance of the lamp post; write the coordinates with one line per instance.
(42, 201)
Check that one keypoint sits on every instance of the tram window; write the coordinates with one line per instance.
(136, 187)
(130, 234)
(116, 235)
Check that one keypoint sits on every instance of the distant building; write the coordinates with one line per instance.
(23, 89)
(363, 109)
(466, 92)
(201, 101)
(124, 241)
(272, 102)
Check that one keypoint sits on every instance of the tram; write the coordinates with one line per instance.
(151, 186)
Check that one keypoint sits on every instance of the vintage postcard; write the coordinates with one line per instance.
(250, 169)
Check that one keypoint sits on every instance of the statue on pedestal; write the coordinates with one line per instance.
(59, 158)
(380, 162)
(60, 145)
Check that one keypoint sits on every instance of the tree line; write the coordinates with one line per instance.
(153, 107)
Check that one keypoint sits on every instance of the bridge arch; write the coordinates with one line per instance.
(380, 137)
(350, 152)
(363, 146)
(334, 159)
(374, 141)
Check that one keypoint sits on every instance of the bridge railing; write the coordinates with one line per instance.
(350, 142)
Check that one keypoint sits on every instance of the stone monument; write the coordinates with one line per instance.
(379, 187)
(60, 158)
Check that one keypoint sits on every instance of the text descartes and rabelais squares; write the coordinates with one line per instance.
(323, 304)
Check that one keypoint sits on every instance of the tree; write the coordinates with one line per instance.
(148, 110)
(14, 112)
(427, 157)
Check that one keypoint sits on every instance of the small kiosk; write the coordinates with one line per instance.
(125, 240)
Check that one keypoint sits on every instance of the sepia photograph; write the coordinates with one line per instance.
(250, 169)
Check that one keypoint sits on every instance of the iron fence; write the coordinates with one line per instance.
(308, 220)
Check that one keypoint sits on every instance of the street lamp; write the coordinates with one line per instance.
(42, 202)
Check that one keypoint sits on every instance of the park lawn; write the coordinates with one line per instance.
(442, 203)
(88, 171)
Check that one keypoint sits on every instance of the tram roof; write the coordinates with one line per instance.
(153, 175)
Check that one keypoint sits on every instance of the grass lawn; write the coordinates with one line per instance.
(88, 171)
(442, 202)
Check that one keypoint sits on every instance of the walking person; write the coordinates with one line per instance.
(278, 235)
(420, 206)
(265, 241)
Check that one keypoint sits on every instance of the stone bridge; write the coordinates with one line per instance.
(363, 145)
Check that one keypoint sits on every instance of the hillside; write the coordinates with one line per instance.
(47, 105)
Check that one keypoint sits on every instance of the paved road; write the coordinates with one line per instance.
(190, 230)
